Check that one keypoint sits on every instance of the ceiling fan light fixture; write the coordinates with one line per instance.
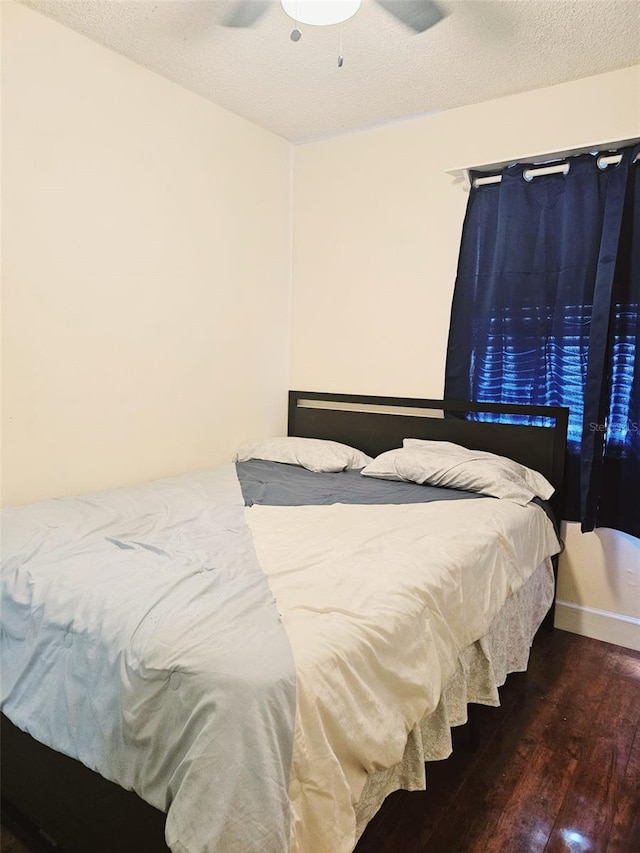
(320, 13)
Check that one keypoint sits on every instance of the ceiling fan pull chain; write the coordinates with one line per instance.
(340, 56)
(296, 35)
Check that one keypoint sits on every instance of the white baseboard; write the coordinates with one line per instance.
(598, 624)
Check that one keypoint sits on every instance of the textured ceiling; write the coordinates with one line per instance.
(481, 50)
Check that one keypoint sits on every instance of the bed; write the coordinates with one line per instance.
(263, 653)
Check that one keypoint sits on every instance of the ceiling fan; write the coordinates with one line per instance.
(418, 15)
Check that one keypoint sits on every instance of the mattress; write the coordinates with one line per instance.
(249, 662)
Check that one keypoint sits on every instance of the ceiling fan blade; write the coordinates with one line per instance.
(419, 15)
(245, 13)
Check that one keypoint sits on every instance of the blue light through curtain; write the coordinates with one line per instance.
(545, 312)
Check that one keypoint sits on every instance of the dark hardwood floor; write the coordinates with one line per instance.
(557, 769)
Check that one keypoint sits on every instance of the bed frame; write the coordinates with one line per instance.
(57, 796)
(376, 424)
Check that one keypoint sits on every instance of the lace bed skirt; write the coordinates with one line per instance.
(482, 668)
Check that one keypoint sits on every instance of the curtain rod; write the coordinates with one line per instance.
(604, 160)
(543, 159)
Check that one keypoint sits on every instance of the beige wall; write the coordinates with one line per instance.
(146, 261)
(378, 222)
(376, 234)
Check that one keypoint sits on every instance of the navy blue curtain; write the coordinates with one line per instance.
(545, 312)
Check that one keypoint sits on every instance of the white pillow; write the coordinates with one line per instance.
(315, 454)
(441, 463)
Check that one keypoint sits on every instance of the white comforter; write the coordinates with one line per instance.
(141, 637)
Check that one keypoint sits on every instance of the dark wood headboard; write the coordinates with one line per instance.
(376, 424)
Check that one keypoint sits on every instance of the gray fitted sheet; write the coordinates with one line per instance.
(278, 484)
